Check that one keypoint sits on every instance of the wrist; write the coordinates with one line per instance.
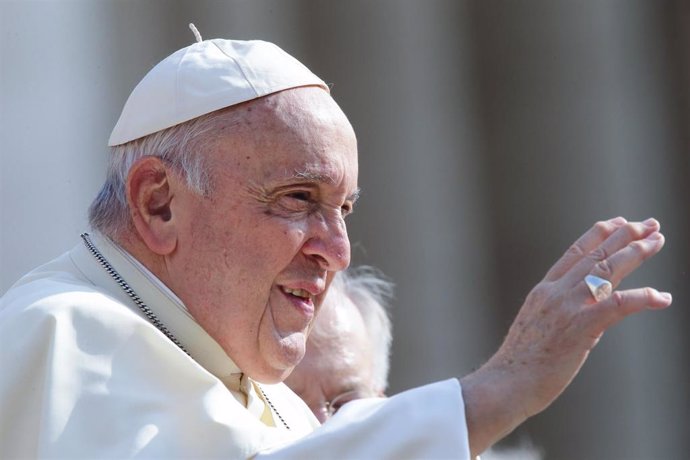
(494, 399)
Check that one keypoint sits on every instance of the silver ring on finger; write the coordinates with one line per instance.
(599, 287)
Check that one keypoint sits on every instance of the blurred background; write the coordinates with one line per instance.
(491, 135)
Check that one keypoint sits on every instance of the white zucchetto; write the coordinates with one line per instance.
(207, 76)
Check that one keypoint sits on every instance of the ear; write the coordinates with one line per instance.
(149, 194)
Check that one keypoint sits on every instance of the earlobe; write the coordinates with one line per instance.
(149, 194)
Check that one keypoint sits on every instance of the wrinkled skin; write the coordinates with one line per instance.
(252, 259)
(283, 185)
(557, 327)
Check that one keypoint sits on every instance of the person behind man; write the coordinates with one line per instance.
(348, 349)
(167, 332)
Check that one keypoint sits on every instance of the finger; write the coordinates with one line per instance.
(584, 245)
(628, 259)
(626, 236)
(624, 303)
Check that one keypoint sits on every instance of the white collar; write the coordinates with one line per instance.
(162, 302)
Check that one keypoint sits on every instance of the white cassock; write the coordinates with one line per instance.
(85, 374)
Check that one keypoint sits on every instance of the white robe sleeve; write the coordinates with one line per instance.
(423, 423)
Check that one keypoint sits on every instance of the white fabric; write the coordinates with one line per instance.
(204, 77)
(409, 425)
(85, 375)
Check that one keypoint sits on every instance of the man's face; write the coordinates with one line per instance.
(253, 259)
(337, 367)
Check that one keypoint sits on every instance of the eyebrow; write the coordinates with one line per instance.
(355, 195)
(312, 176)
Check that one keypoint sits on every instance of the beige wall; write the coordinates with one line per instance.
(491, 135)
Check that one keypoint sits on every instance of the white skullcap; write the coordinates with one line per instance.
(207, 76)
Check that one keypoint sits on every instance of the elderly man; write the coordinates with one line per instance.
(349, 346)
(168, 331)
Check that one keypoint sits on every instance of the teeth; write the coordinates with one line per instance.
(297, 292)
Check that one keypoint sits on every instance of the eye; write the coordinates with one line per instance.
(346, 209)
(296, 201)
(338, 404)
(299, 195)
(343, 398)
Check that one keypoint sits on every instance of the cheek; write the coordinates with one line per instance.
(258, 254)
(242, 246)
(279, 241)
(295, 230)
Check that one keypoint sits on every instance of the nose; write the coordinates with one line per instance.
(328, 242)
(321, 413)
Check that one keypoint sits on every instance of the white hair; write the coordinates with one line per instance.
(370, 292)
(526, 450)
(181, 147)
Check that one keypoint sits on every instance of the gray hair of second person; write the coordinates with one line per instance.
(180, 146)
(370, 291)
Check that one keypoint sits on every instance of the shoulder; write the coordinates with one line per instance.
(58, 293)
(54, 313)
(73, 356)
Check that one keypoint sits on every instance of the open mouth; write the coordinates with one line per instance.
(301, 293)
(302, 299)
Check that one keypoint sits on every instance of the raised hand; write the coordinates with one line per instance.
(558, 325)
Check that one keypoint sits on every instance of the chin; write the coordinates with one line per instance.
(290, 351)
(277, 356)
(272, 376)
(277, 370)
